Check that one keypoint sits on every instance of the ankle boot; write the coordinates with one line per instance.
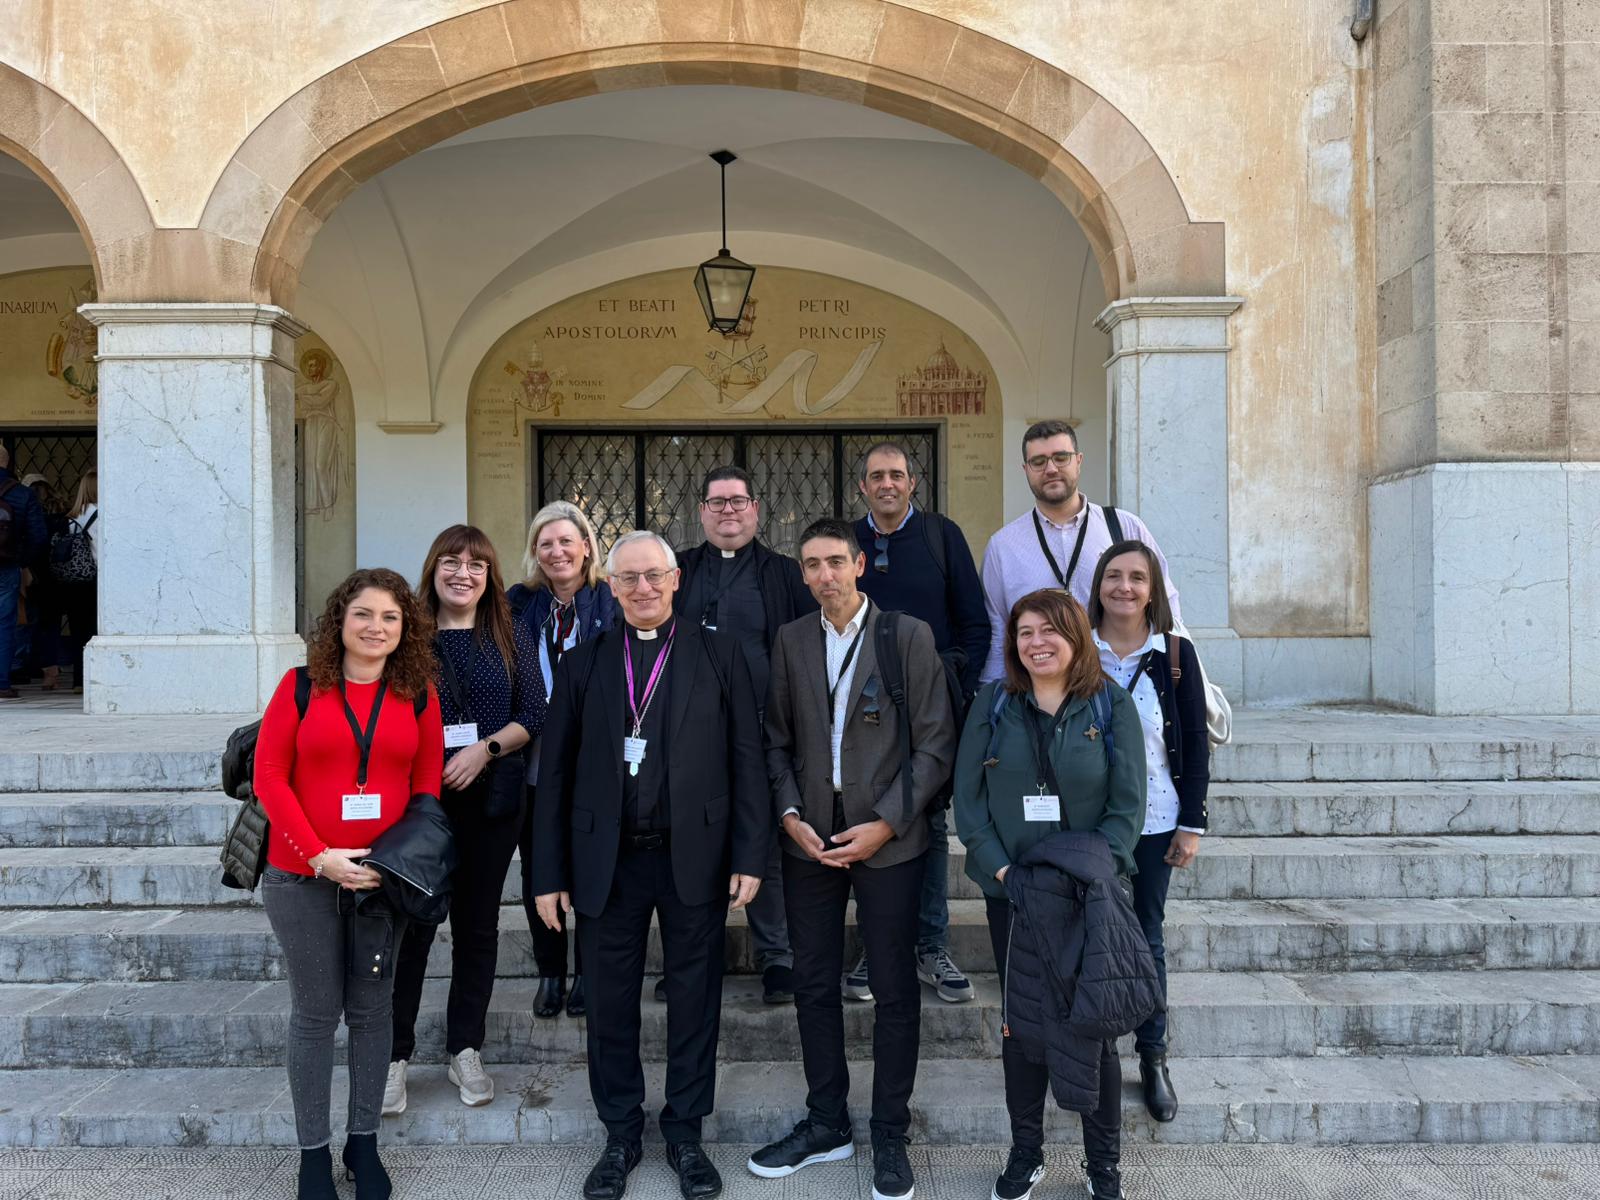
(316, 1175)
(1159, 1097)
(363, 1165)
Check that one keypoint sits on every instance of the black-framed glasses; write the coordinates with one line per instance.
(880, 564)
(724, 503)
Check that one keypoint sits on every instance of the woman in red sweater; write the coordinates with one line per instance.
(331, 782)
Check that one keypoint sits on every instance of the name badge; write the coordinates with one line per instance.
(1041, 808)
(456, 736)
(363, 806)
(633, 753)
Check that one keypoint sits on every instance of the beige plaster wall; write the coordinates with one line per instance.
(1255, 107)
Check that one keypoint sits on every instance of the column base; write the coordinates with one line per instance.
(186, 673)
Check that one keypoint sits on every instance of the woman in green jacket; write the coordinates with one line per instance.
(1032, 766)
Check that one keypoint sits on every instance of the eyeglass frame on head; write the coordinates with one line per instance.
(476, 567)
(627, 581)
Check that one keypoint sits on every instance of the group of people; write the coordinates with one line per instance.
(676, 735)
(43, 591)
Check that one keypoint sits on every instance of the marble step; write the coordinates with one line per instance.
(1325, 936)
(1330, 744)
(1218, 1014)
(1229, 868)
(1332, 1101)
(38, 819)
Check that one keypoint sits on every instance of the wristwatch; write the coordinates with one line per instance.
(494, 747)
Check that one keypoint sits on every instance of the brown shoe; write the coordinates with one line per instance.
(10, 694)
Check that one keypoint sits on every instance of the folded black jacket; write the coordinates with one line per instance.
(1078, 970)
(415, 857)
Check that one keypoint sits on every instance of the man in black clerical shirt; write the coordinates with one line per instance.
(652, 800)
(735, 585)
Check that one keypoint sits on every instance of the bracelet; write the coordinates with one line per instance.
(316, 868)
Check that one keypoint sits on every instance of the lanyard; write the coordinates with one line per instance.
(640, 707)
(1077, 547)
(458, 693)
(844, 666)
(364, 740)
(1040, 739)
(555, 639)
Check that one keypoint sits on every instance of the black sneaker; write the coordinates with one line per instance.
(1105, 1183)
(805, 1145)
(891, 1169)
(777, 984)
(1024, 1168)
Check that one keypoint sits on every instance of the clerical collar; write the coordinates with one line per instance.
(649, 635)
(736, 553)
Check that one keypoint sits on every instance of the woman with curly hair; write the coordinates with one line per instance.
(493, 702)
(331, 782)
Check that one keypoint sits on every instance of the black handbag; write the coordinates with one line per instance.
(244, 850)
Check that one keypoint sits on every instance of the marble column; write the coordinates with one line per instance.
(1167, 382)
(196, 443)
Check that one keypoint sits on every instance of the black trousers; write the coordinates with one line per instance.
(814, 897)
(1028, 1083)
(614, 946)
(81, 602)
(549, 945)
(484, 847)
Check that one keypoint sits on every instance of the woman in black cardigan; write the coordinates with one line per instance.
(1134, 631)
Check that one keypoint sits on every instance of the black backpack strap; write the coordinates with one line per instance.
(302, 690)
(933, 533)
(892, 671)
(1113, 525)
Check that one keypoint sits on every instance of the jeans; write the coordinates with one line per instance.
(483, 847)
(1150, 906)
(304, 914)
(933, 910)
(886, 903)
(1028, 1083)
(10, 591)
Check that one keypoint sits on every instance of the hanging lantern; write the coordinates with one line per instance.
(723, 282)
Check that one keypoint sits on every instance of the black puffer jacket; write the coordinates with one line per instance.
(416, 856)
(1078, 970)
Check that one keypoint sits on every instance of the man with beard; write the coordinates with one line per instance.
(1057, 542)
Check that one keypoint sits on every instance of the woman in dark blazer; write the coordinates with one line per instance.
(1134, 632)
(562, 602)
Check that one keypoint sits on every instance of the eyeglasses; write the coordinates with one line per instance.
(725, 503)
(880, 564)
(628, 580)
(1061, 458)
(476, 567)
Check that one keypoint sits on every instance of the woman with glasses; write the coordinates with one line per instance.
(562, 601)
(1133, 632)
(492, 702)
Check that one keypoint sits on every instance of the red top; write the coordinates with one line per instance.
(303, 769)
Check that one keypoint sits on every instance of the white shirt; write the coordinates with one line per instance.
(1161, 795)
(840, 674)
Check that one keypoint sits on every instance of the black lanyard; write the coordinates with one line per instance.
(458, 693)
(849, 656)
(364, 740)
(1077, 548)
(1040, 739)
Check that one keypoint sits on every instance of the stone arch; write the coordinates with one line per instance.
(65, 149)
(343, 128)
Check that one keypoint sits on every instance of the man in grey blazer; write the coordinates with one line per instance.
(834, 761)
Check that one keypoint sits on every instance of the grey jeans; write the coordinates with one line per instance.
(304, 914)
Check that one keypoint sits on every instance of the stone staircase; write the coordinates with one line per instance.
(1392, 935)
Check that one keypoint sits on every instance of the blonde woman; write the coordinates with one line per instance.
(80, 600)
(563, 601)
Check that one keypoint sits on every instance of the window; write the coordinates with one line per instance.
(651, 479)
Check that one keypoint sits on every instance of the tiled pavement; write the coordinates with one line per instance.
(1219, 1172)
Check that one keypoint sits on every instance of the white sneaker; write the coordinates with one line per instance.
(394, 1089)
(855, 985)
(466, 1072)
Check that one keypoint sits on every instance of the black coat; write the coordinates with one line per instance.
(416, 857)
(1183, 718)
(783, 589)
(1079, 970)
(721, 820)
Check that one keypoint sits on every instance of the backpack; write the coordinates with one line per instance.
(886, 645)
(72, 552)
(11, 532)
(244, 850)
(1100, 702)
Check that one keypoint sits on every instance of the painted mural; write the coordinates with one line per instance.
(810, 350)
(325, 423)
(48, 375)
